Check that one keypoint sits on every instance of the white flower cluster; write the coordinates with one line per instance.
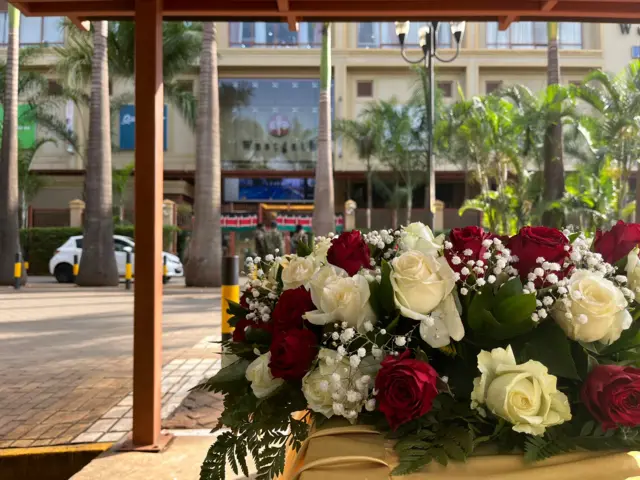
(384, 240)
(263, 295)
(496, 263)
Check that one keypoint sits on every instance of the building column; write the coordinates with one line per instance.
(149, 164)
(472, 80)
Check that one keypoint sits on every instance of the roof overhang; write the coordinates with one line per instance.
(503, 11)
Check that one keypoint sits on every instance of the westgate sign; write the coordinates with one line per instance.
(625, 29)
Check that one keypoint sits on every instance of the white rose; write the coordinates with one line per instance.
(417, 236)
(423, 286)
(339, 298)
(320, 251)
(525, 395)
(297, 272)
(598, 309)
(633, 272)
(259, 374)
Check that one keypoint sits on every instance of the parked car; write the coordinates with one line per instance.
(61, 264)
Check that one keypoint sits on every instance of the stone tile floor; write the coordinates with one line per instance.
(66, 361)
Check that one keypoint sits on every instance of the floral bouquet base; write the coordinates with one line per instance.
(435, 349)
(339, 451)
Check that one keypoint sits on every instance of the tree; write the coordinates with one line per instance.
(361, 133)
(324, 211)
(614, 125)
(120, 179)
(29, 184)
(553, 159)
(9, 232)
(98, 262)
(203, 268)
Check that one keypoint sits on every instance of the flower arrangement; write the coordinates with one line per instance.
(526, 344)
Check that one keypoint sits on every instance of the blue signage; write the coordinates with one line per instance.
(128, 127)
(635, 52)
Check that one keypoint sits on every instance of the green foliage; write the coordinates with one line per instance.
(503, 313)
(40, 244)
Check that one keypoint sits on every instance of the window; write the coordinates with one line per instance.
(383, 35)
(184, 86)
(79, 243)
(54, 88)
(120, 245)
(446, 88)
(364, 88)
(274, 35)
(34, 30)
(528, 35)
(492, 85)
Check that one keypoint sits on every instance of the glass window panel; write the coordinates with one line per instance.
(540, 34)
(246, 33)
(444, 35)
(521, 35)
(4, 28)
(52, 30)
(495, 37)
(30, 29)
(570, 35)
(272, 34)
(368, 34)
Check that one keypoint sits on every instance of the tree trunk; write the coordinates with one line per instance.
(98, 263)
(396, 202)
(203, 268)
(369, 196)
(409, 204)
(324, 211)
(553, 161)
(9, 231)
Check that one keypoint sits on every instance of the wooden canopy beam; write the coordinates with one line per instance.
(549, 5)
(504, 22)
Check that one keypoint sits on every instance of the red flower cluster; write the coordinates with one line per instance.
(467, 238)
(612, 395)
(533, 242)
(350, 252)
(406, 388)
(292, 348)
(617, 242)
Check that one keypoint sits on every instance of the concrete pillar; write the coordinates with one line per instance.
(438, 220)
(76, 209)
(168, 212)
(350, 207)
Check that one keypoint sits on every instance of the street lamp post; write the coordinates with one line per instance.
(427, 38)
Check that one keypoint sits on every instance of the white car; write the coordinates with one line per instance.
(61, 264)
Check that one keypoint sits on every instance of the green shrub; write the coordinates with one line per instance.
(40, 244)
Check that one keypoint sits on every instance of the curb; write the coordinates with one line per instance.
(55, 450)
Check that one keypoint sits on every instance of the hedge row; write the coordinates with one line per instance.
(40, 244)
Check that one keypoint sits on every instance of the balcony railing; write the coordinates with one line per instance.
(383, 35)
(274, 35)
(533, 35)
(34, 30)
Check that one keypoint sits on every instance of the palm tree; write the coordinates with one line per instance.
(9, 232)
(553, 158)
(98, 263)
(361, 133)
(121, 177)
(616, 101)
(324, 211)
(203, 268)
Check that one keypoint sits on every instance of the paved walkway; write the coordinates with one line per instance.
(66, 362)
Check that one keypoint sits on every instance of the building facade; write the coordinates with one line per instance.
(269, 94)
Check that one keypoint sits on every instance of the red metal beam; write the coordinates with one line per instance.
(504, 22)
(149, 163)
(549, 5)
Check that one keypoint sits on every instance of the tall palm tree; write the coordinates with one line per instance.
(361, 133)
(203, 268)
(324, 211)
(98, 263)
(9, 232)
(553, 158)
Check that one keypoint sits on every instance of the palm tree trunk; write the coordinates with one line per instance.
(369, 195)
(9, 231)
(98, 263)
(409, 202)
(324, 211)
(396, 202)
(204, 264)
(553, 161)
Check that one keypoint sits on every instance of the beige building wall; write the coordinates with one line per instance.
(604, 46)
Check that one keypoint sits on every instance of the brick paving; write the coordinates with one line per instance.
(66, 362)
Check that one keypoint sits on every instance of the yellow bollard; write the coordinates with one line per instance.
(76, 267)
(17, 271)
(128, 272)
(230, 292)
(165, 270)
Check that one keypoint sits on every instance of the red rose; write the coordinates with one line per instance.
(349, 252)
(617, 242)
(292, 353)
(467, 238)
(240, 331)
(291, 306)
(406, 388)
(612, 395)
(532, 243)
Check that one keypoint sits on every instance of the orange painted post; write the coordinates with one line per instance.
(149, 164)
